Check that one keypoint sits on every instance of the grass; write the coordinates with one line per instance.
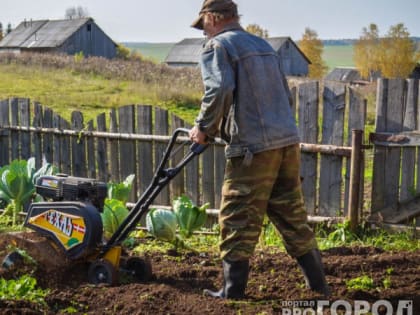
(93, 86)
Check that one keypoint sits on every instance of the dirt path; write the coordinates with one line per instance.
(275, 283)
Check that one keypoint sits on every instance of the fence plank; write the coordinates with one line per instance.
(356, 120)
(91, 152)
(386, 166)
(36, 137)
(78, 146)
(378, 180)
(161, 128)
(418, 149)
(207, 160)
(4, 138)
(127, 148)
(192, 181)
(101, 150)
(58, 154)
(177, 184)
(394, 122)
(65, 147)
(409, 154)
(293, 92)
(332, 133)
(14, 135)
(308, 130)
(114, 147)
(25, 121)
(145, 148)
(47, 139)
(219, 173)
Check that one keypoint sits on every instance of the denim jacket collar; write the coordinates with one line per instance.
(230, 27)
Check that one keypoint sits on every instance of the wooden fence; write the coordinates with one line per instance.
(396, 168)
(131, 140)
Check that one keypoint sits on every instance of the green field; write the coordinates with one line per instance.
(338, 56)
(154, 51)
(334, 55)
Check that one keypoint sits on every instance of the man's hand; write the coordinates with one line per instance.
(197, 136)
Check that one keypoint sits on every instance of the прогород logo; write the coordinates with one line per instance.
(343, 307)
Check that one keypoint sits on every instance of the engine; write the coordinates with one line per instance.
(69, 188)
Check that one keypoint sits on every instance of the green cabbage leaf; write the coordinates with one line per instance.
(190, 217)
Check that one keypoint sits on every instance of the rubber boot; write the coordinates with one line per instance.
(235, 279)
(313, 271)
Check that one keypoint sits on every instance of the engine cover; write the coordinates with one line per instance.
(75, 226)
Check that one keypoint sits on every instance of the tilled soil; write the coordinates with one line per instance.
(275, 285)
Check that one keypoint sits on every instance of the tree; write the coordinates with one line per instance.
(76, 13)
(393, 56)
(257, 30)
(312, 47)
(367, 51)
(398, 54)
(9, 28)
(1, 31)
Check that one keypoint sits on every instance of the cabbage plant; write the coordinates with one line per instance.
(190, 217)
(162, 224)
(17, 184)
(121, 191)
(115, 210)
(112, 216)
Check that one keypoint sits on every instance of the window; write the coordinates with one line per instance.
(89, 27)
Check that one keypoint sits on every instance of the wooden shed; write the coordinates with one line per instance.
(69, 36)
(344, 74)
(187, 53)
(294, 61)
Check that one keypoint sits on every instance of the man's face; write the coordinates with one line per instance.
(209, 25)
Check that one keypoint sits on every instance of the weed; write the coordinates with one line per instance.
(340, 235)
(363, 282)
(23, 288)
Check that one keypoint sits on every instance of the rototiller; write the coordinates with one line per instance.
(72, 218)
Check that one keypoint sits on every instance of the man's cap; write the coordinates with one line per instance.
(221, 6)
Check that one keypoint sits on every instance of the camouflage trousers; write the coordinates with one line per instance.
(270, 185)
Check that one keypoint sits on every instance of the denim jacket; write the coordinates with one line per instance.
(246, 99)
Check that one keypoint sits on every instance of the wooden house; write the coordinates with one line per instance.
(69, 36)
(187, 53)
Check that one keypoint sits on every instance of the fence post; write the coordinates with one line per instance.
(355, 172)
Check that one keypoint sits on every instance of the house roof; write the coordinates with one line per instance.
(344, 75)
(186, 51)
(42, 33)
(189, 49)
(278, 42)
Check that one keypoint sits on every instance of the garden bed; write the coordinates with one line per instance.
(179, 280)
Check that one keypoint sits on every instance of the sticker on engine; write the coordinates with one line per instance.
(68, 229)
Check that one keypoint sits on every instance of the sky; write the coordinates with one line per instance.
(169, 20)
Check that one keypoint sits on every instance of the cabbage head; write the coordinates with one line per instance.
(162, 224)
(190, 217)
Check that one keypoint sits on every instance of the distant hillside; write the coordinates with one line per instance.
(154, 51)
(337, 52)
(349, 41)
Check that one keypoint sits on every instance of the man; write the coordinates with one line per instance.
(247, 102)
